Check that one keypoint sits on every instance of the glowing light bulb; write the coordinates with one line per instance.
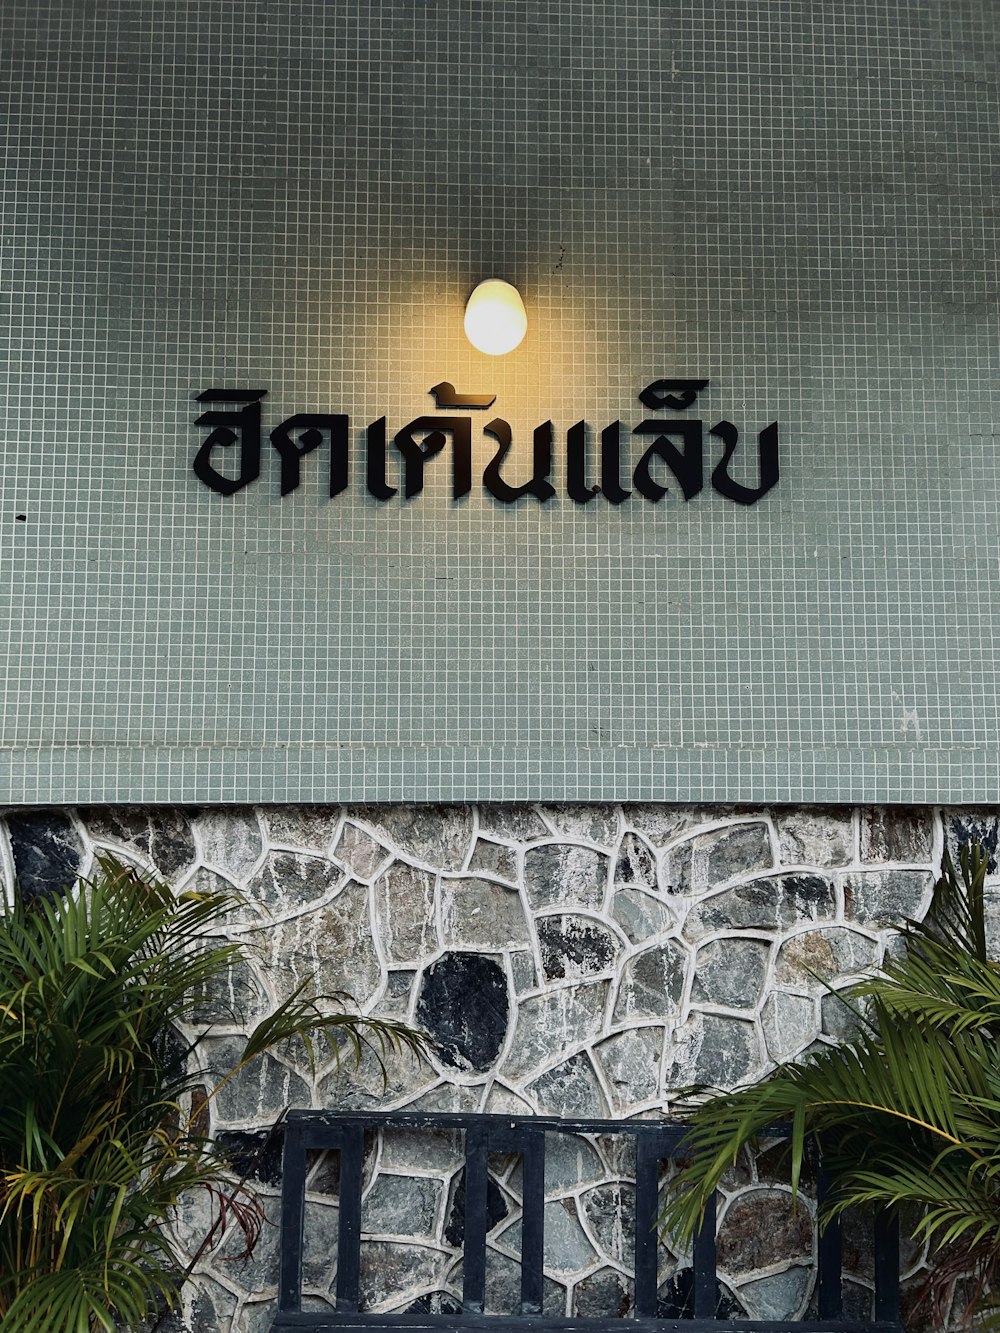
(495, 321)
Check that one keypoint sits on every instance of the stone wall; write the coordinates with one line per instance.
(575, 960)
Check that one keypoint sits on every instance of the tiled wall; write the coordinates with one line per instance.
(794, 201)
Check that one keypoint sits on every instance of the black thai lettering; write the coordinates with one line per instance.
(673, 394)
(576, 465)
(767, 463)
(435, 431)
(303, 433)
(685, 463)
(446, 395)
(541, 456)
(375, 462)
(611, 486)
(676, 447)
(234, 426)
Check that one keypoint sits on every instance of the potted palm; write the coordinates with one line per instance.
(100, 1135)
(908, 1111)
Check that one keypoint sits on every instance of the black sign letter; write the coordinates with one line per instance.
(241, 425)
(686, 464)
(767, 455)
(539, 486)
(415, 454)
(311, 427)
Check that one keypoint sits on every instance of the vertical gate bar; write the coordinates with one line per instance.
(532, 1220)
(703, 1298)
(647, 1171)
(293, 1207)
(474, 1269)
(830, 1293)
(352, 1156)
(887, 1266)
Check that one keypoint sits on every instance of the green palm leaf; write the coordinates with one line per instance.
(98, 1138)
(908, 1112)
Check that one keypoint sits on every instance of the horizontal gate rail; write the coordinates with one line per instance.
(655, 1142)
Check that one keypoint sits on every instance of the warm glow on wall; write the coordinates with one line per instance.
(495, 321)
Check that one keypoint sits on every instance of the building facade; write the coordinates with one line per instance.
(595, 707)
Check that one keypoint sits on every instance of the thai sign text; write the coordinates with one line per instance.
(677, 444)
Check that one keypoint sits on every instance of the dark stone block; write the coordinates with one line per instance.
(984, 829)
(884, 897)
(732, 851)
(652, 982)
(675, 1299)
(730, 971)
(678, 871)
(635, 863)
(610, 1213)
(606, 1294)
(463, 1004)
(434, 835)
(840, 1016)
(496, 1210)
(434, 1302)
(763, 1229)
(212, 1306)
(858, 1230)
(859, 1301)
(503, 1288)
(494, 859)
(255, 1153)
(574, 946)
(326, 1178)
(174, 1051)
(807, 896)
(778, 1296)
(390, 1272)
(402, 1205)
(917, 1311)
(511, 823)
(897, 833)
(763, 904)
(565, 873)
(256, 1092)
(292, 880)
(47, 852)
(569, 1089)
(324, 1166)
(163, 835)
(522, 968)
(729, 1052)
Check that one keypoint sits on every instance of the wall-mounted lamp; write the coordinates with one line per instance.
(495, 321)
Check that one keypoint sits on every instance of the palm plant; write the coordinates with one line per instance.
(908, 1111)
(98, 1135)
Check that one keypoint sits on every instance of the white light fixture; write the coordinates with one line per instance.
(495, 321)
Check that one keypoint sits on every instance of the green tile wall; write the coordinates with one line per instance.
(794, 200)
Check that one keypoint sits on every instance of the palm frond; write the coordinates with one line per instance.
(96, 1146)
(908, 1111)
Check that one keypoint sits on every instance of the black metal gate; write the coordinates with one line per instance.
(655, 1143)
